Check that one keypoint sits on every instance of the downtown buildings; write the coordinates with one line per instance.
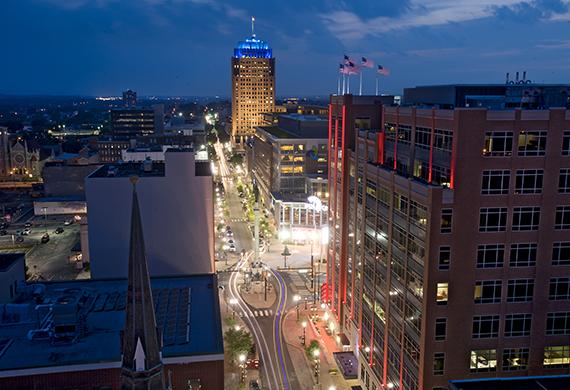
(450, 237)
(253, 86)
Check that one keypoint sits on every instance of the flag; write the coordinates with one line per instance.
(383, 71)
(367, 63)
(352, 68)
(342, 69)
(347, 59)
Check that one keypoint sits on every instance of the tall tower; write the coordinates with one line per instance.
(142, 365)
(253, 85)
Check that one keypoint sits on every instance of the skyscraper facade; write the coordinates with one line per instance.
(450, 225)
(253, 86)
(129, 98)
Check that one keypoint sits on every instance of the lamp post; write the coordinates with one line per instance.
(285, 254)
(233, 302)
(242, 366)
(304, 325)
(44, 209)
(316, 354)
(296, 299)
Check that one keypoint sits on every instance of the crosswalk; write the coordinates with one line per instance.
(256, 313)
(238, 219)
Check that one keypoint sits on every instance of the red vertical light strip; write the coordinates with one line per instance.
(334, 212)
(380, 139)
(341, 285)
(396, 138)
(330, 192)
(344, 213)
(453, 157)
(431, 137)
(370, 358)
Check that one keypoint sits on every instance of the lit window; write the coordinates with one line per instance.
(498, 143)
(487, 291)
(442, 293)
(557, 356)
(483, 360)
(532, 143)
(515, 359)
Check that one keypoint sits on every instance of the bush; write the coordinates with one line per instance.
(313, 345)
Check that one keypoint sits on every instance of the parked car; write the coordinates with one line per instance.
(45, 238)
(28, 224)
(229, 233)
(26, 231)
(68, 222)
(19, 239)
(3, 232)
(4, 225)
(254, 385)
(231, 242)
(59, 230)
(232, 248)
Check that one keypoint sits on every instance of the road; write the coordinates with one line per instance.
(265, 325)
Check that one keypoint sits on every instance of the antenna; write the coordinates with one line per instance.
(253, 26)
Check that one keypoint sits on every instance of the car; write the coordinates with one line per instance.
(3, 232)
(229, 233)
(252, 363)
(26, 231)
(19, 240)
(228, 228)
(68, 222)
(45, 238)
(59, 230)
(254, 385)
(28, 224)
(232, 248)
(231, 242)
(4, 225)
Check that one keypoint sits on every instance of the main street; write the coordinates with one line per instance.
(276, 369)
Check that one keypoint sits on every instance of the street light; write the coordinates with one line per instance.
(304, 325)
(285, 254)
(242, 366)
(233, 301)
(296, 299)
(316, 354)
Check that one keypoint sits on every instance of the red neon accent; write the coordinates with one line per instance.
(342, 270)
(329, 177)
(396, 138)
(453, 157)
(380, 139)
(431, 137)
(334, 212)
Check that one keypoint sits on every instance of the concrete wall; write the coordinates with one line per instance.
(177, 217)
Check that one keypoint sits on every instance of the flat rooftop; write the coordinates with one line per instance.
(8, 259)
(187, 314)
(304, 118)
(553, 382)
(129, 169)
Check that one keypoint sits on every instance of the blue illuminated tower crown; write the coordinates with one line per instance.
(253, 47)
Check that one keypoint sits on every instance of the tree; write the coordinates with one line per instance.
(313, 345)
(237, 342)
(236, 159)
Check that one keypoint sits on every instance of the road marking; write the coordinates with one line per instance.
(255, 313)
(270, 312)
(266, 313)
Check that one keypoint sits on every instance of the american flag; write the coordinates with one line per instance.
(352, 68)
(383, 71)
(367, 63)
(347, 59)
(342, 69)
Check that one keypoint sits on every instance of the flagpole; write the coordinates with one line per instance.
(360, 88)
(348, 84)
(343, 83)
(338, 85)
(376, 85)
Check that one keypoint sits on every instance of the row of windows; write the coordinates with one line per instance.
(522, 254)
(528, 181)
(518, 290)
(513, 359)
(500, 143)
(494, 219)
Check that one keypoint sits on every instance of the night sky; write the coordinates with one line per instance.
(183, 47)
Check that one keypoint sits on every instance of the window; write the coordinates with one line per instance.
(483, 360)
(557, 356)
(440, 329)
(529, 181)
(520, 290)
(446, 219)
(532, 143)
(523, 255)
(562, 217)
(515, 359)
(526, 218)
(495, 182)
(442, 293)
(438, 363)
(564, 181)
(488, 291)
(498, 143)
(566, 144)
(444, 257)
(558, 323)
(517, 325)
(559, 289)
(561, 253)
(485, 327)
(490, 255)
(493, 219)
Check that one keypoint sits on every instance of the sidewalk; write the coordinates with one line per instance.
(330, 374)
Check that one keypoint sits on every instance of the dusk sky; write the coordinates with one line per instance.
(183, 47)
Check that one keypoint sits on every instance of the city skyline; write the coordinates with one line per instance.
(99, 47)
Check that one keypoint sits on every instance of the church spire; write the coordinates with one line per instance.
(142, 366)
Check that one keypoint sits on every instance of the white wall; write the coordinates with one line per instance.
(177, 217)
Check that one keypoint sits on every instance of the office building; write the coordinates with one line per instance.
(133, 122)
(129, 98)
(450, 237)
(288, 162)
(253, 86)
(177, 213)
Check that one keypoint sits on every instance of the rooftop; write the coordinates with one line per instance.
(80, 322)
(277, 132)
(8, 259)
(253, 48)
(157, 169)
(304, 118)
